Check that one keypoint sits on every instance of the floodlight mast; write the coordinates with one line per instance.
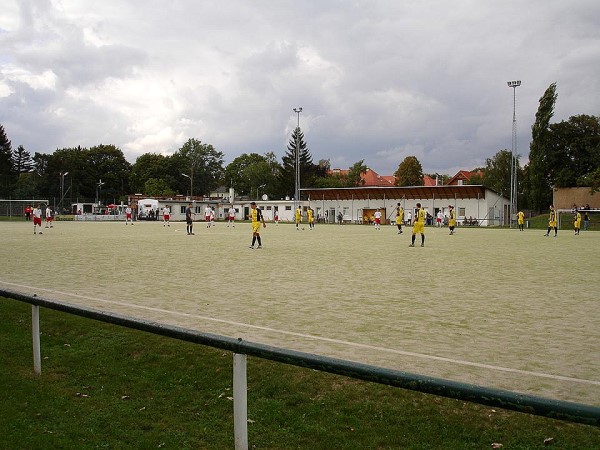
(191, 183)
(297, 177)
(513, 154)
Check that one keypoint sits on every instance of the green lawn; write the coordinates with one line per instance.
(104, 386)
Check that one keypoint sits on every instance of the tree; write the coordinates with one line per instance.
(308, 170)
(151, 166)
(7, 174)
(202, 163)
(409, 172)
(497, 172)
(157, 187)
(238, 172)
(110, 165)
(354, 177)
(21, 159)
(573, 150)
(539, 188)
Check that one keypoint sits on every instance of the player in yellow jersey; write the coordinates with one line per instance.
(311, 218)
(552, 222)
(399, 218)
(451, 219)
(257, 218)
(577, 222)
(521, 220)
(419, 226)
(298, 217)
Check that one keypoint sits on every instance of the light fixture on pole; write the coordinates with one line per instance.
(99, 197)
(191, 183)
(62, 188)
(513, 154)
(297, 177)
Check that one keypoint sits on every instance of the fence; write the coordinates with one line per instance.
(556, 409)
(16, 208)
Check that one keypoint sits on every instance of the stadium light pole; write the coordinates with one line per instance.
(513, 154)
(62, 188)
(297, 178)
(99, 197)
(191, 185)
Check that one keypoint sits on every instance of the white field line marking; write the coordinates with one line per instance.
(321, 338)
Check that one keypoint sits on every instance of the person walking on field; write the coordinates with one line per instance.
(189, 220)
(48, 217)
(37, 218)
(257, 218)
(418, 226)
(311, 218)
(552, 222)
(521, 220)
(586, 220)
(452, 219)
(577, 222)
(166, 216)
(399, 218)
(231, 217)
(128, 215)
(298, 217)
(378, 219)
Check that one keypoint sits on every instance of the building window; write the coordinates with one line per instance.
(268, 208)
(288, 208)
(461, 212)
(182, 210)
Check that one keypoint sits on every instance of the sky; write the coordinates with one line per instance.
(377, 80)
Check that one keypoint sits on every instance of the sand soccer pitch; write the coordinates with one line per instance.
(500, 308)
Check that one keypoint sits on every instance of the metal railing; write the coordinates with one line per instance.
(556, 409)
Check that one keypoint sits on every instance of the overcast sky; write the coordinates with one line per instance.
(377, 80)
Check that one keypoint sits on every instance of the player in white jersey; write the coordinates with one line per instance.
(48, 217)
(378, 219)
(166, 215)
(231, 217)
(128, 212)
(37, 218)
(207, 213)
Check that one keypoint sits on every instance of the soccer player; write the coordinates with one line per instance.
(276, 218)
(311, 218)
(378, 219)
(586, 220)
(207, 213)
(37, 218)
(128, 215)
(298, 217)
(231, 217)
(48, 217)
(577, 222)
(419, 226)
(552, 222)
(452, 219)
(521, 220)
(28, 213)
(166, 216)
(189, 219)
(399, 218)
(439, 218)
(257, 218)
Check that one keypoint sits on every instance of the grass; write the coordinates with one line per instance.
(108, 387)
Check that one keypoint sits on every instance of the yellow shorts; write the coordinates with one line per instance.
(418, 227)
(577, 224)
(255, 227)
(552, 224)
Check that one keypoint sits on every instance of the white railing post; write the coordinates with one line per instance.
(240, 401)
(35, 332)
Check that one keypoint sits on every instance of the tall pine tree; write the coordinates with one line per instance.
(308, 169)
(7, 173)
(540, 191)
(22, 162)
